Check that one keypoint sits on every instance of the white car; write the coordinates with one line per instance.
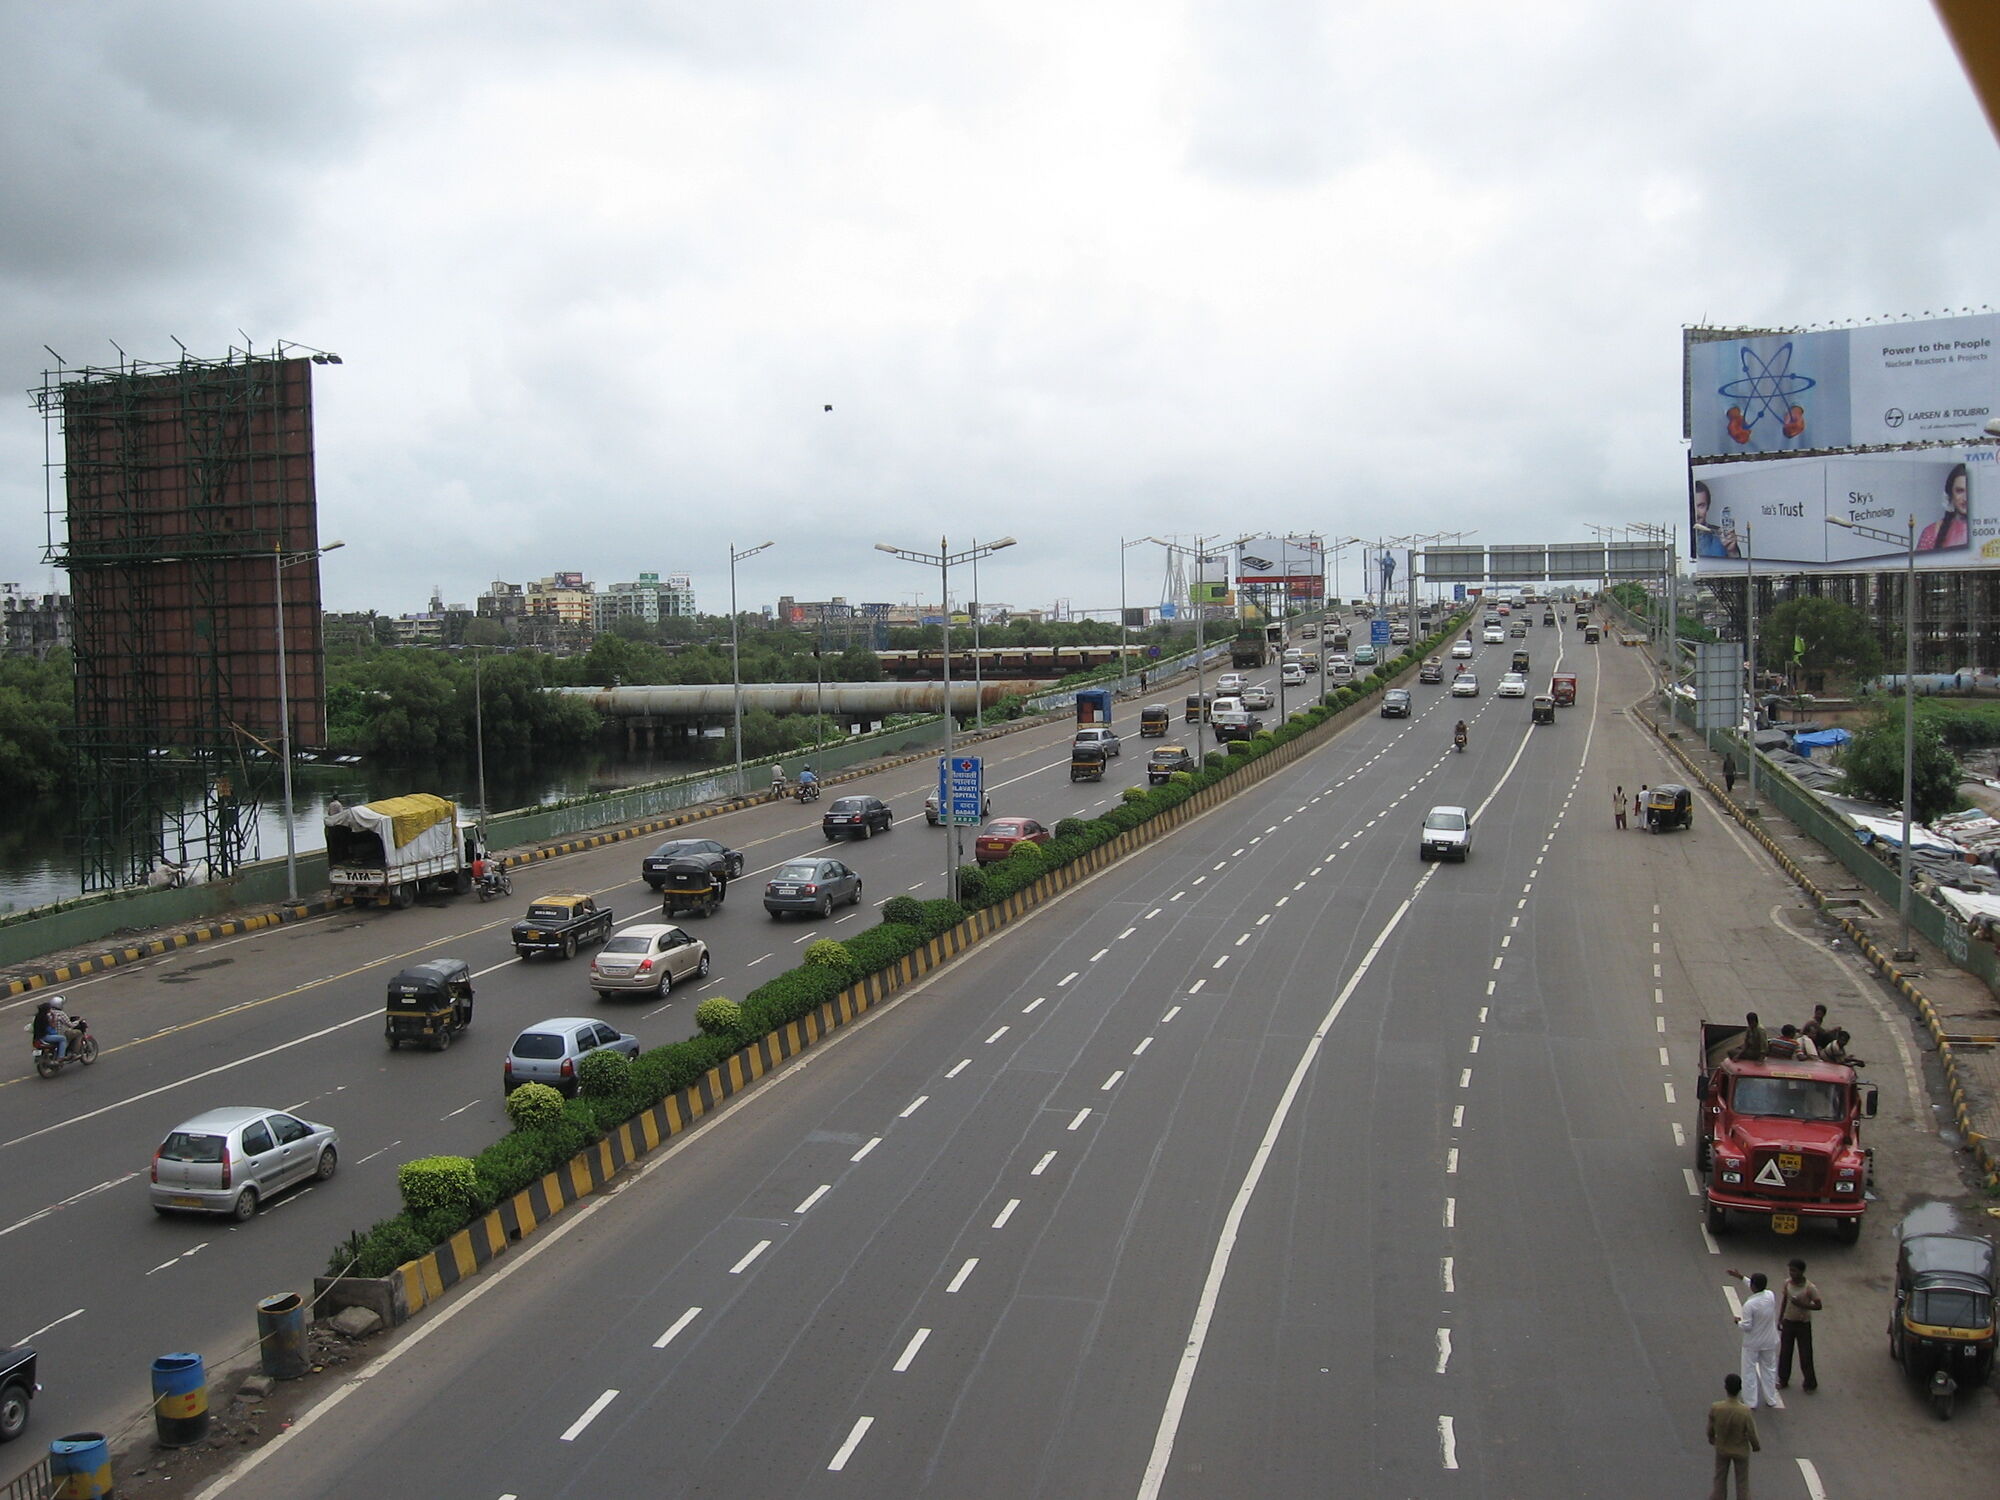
(1447, 834)
(1460, 650)
(1513, 685)
(1465, 685)
(1293, 675)
(1495, 635)
(1229, 684)
(1258, 699)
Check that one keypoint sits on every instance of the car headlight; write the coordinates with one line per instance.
(1732, 1176)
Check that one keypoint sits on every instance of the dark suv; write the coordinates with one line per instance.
(1396, 704)
(856, 818)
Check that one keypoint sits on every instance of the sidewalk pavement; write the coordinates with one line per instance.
(1960, 1013)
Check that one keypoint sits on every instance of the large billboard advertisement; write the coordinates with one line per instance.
(1886, 384)
(1268, 561)
(1777, 512)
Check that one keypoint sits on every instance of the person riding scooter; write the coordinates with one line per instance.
(1458, 735)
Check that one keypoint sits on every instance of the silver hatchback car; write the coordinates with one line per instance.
(229, 1161)
(549, 1051)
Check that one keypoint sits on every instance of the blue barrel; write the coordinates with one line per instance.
(81, 1466)
(180, 1400)
(281, 1336)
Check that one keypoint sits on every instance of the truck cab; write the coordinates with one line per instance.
(1780, 1137)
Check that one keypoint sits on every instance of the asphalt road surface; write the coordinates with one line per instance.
(1272, 1161)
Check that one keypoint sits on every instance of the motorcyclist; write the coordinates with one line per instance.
(806, 777)
(778, 779)
(1458, 734)
(51, 1024)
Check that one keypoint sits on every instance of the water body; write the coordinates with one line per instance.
(39, 843)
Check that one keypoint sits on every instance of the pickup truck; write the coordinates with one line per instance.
(17, 1390)
(561, 923)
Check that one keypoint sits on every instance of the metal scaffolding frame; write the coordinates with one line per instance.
(178, 487)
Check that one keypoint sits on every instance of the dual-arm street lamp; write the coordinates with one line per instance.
(281, 560)
(735, 666)
(1905, 952)
(942, 559)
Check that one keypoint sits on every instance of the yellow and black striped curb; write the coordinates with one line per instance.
(1985, 1154)
(430, 1275)
(97, 963)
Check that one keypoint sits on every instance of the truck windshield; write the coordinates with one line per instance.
(1790, 1098)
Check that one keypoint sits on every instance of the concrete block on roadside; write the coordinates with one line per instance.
(355, 1322)
(255, 1387)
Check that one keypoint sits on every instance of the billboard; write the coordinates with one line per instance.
(1777, 512)
(1296, 563)
(1935, 380)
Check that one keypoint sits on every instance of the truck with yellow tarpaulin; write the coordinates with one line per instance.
(399, 848)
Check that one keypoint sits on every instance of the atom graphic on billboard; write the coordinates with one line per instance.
(1765, 393)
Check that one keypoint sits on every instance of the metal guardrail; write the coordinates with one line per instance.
(39, 1483)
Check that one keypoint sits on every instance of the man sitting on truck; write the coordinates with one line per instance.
(1756, 1043)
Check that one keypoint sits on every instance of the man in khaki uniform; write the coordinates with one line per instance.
(1732, 1433)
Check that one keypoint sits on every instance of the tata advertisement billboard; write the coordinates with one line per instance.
(1879, 386)
(1776, 513)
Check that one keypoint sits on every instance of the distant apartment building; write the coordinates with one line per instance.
(649, 597)
(563, 597)
(32, 624)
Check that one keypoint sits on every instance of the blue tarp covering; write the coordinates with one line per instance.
(1805, 744)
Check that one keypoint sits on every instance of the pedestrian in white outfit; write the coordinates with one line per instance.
(1760, 1341)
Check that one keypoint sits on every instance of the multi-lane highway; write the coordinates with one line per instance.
(1271, 1161)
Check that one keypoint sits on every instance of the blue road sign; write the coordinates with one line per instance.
(961, 781)
(1378, 632)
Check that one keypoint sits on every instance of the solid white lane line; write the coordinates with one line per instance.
(964, 1271)
(1447, 1443)
(1111, 1082)
(814, 1196)
(873, 1142)
(959, 1068)
(30, 1338)
(459, 1111)
(744, 1264)
(1006, 1213)
(589, 1416)
(43, 1213)
(1174, 1011)
(674, 1331)
(1081, 1116)
(846, 1450)
(1444, 1349)
(913, 1106)
(1043, 1165)
(1143, 1045)
(910, 1351)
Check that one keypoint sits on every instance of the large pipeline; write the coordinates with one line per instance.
(848, 700)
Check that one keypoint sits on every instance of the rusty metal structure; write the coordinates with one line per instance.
(183, 508)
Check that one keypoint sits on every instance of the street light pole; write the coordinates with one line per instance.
(281, 560)
(1905, 951)
(479, 728)
(978, 667)
(735, 661)
(943, 558)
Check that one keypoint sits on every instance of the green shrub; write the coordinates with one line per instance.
(829, 953)
(378, 1250)
(876, 948)
(437, 1182)
(906, 910)
(1069, 828)
(511, 1163)
(972, 886)
(1132, 794)
(1183, 779)
(719, 1016)
(605, 1074)
(940, 916)
(532, 1105)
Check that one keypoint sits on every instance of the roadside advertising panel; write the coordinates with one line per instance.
(1267, 560)
(1935, 380)
(1776, 512)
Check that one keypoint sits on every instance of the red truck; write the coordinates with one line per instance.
(1781, 1137)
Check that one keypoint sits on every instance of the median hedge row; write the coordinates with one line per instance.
(442, 1195)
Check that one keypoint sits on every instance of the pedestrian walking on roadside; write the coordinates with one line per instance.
(1732, 1433)
(1759, 1323)
(1798, 1300)
(1618, 806)
(1728, 773)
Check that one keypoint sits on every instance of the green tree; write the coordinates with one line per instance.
(1838, 639)
(1873, 763)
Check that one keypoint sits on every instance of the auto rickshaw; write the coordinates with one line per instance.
(1668, 806)
(1590, 635)
(1544, 709)
(1197, 706)
(1153, 721)
(1086, 762)
(429, 1003)
(691, 886)
(1941, 1329)
(1520, 660)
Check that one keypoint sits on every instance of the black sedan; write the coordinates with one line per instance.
(856, 818)
(1396, 704)
(811, 886)
(719, 858)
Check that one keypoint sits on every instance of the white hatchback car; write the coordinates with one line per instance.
(1512, 685)
(1465, 685)
(1460, 650)
(1447, 834)
(1494, 635)
(1293, 674)
(1229, 684)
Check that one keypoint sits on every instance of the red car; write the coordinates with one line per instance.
(997, 839)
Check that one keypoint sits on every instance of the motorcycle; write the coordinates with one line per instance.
(495, 882)
(83, 1051)
(1458, 742)
(807, 791)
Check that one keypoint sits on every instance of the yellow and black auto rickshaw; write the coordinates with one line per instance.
(429, 1003)
(1520, 659)
(691, 885)
(1590, 635)
(1197, 706)
(1668, 806)
(1544, 709)
(1086, 762)
(1942, 1327)
(1153, 721)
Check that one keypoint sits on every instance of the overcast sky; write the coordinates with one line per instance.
(1067, 270)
